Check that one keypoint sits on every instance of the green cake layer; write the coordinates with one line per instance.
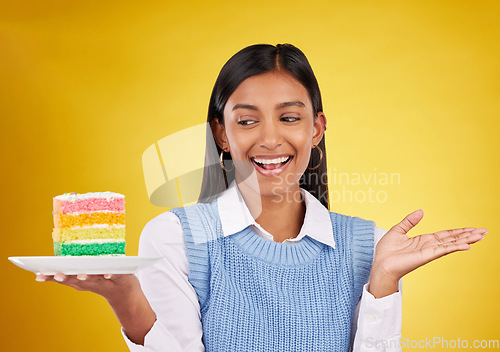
(77, 249)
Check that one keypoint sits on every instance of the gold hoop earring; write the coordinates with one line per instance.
(221, 162)
(320, 158)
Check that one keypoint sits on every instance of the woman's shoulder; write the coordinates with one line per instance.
(160, 221)
(171, 217)
(163, 228)
(194, 212)
(378, 231)
(167, 226)
(345, 217)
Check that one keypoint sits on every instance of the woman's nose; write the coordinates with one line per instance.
(271, 136)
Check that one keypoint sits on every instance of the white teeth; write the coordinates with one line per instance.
(272, 161)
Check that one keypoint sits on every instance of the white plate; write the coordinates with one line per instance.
(83, 265)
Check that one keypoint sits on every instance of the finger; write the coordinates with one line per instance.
(98, 277)
(81, 277)
(59, 277)
(43, 277)
(410, 221)
(474, 238)
(467, 237)
(74, 281)
(67, 280)
(446, 234)
(88, 279)
(435, 252)
(461, 243)
(80, 282)
(454, 233)
(481, 230)
(93, 282)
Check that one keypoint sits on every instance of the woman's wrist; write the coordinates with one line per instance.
(134, 313)
(382, 284)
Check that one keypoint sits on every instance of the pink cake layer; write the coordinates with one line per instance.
(88, 204)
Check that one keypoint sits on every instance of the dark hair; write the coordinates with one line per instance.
(251, 61)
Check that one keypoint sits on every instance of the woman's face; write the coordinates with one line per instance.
(269, 129)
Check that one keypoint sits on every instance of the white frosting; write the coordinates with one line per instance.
(100, 226)
(95, 211)
(108, 195)
(94, 241)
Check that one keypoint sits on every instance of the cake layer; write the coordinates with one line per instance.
(88, 204)
(92, 248)
(88, 233)
(89, 219)
(74, 196)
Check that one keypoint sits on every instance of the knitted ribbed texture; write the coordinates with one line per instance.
(260, 295)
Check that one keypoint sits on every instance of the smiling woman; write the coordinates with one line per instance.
(260, 263)
(251, 70)
(265, 133)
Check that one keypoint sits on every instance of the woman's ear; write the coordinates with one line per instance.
(219, 133)
(319, 127)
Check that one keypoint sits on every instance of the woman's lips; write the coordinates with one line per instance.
(271, 169)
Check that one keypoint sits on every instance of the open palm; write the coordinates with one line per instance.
(397, 254)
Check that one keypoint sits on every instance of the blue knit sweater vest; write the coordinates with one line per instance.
(260, 295)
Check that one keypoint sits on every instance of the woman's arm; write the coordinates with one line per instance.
(396, 254)
(123, 293)
(161, 313)
(168, 290)
(376, 324)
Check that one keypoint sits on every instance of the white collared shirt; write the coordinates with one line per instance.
(376, 324)
(235, 216)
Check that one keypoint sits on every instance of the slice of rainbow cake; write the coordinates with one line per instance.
(89, 224)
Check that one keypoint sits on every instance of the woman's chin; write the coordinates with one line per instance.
(277, 189)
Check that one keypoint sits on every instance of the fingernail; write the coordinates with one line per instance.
(58, 278)
(40, 279)
(81, 277)
(107, 276)
(485, 233)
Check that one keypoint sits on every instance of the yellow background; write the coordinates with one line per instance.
(409, 87)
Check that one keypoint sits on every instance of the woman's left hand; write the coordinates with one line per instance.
(397, 254)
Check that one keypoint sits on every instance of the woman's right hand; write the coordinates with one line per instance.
(124, 294)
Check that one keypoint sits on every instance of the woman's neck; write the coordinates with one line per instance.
(282, 215)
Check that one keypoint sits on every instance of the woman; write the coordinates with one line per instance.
(260, 263)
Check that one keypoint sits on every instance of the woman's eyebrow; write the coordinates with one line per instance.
(290, 103)
(279, 106)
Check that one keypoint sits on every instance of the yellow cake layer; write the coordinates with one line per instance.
(91, 233)
(89, 219)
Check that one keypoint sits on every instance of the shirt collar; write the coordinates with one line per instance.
(235, 216)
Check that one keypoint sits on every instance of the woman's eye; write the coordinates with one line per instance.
(245, 122)
(290, 119)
